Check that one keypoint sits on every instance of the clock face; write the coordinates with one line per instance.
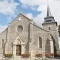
(19, 18)
(20, 28)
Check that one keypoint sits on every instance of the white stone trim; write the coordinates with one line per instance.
(14, 50)
(18, 41)
(51, 46)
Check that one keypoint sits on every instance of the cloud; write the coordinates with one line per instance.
(8, 7)
(55, 9)
(2, 28)
(42, 6)
(29, 15)
(40, 18)
(33, 2)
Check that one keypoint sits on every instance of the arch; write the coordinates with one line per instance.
(18, 40)
(18, 47)
(50, 46)
(54, 44)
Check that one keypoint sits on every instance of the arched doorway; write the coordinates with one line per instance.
(54, 46)
(50, 46)
(18, 47)
(18, 50)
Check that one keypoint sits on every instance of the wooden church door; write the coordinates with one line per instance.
(18, 50)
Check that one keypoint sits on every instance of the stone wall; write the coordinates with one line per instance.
(13, 33)
(19, 58)
(35, 33)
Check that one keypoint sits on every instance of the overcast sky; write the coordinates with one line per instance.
(34, 9)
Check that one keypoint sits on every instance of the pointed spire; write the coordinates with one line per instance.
(49, 18)
(48, 10)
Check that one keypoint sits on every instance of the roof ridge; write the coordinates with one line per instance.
(25, 16)
(40, 27)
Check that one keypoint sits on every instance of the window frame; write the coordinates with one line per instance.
(40, 43)
(20, 28)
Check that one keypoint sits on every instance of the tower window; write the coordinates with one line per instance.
(40, 42)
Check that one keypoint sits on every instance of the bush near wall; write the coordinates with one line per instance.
(49, 55)
(8, 55)
(38, 55)
(25, 55)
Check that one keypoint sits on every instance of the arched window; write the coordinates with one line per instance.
(40, 42)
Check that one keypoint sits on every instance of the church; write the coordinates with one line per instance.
(24, 38)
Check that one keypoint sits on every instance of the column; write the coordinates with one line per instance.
(23, 49)
(51, 46)
(14, 50)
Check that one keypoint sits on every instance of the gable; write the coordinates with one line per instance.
(23, 21)
(13, 26)
(20, 18)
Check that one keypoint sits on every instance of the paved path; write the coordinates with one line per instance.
(54, 59)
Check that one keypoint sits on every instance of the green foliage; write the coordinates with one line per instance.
(59, 30)
(38, 55)
(8, 55)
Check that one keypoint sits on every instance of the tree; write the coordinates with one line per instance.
(59, 30)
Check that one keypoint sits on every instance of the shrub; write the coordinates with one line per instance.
(8, 55)
(49, 55)
(25, 55)
(38, 55)
(52, 54)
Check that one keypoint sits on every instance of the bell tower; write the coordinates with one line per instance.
(49, 21)
(50, 25)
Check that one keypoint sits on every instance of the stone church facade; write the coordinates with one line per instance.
(23, 36)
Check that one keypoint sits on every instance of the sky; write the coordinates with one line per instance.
(34, 9)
